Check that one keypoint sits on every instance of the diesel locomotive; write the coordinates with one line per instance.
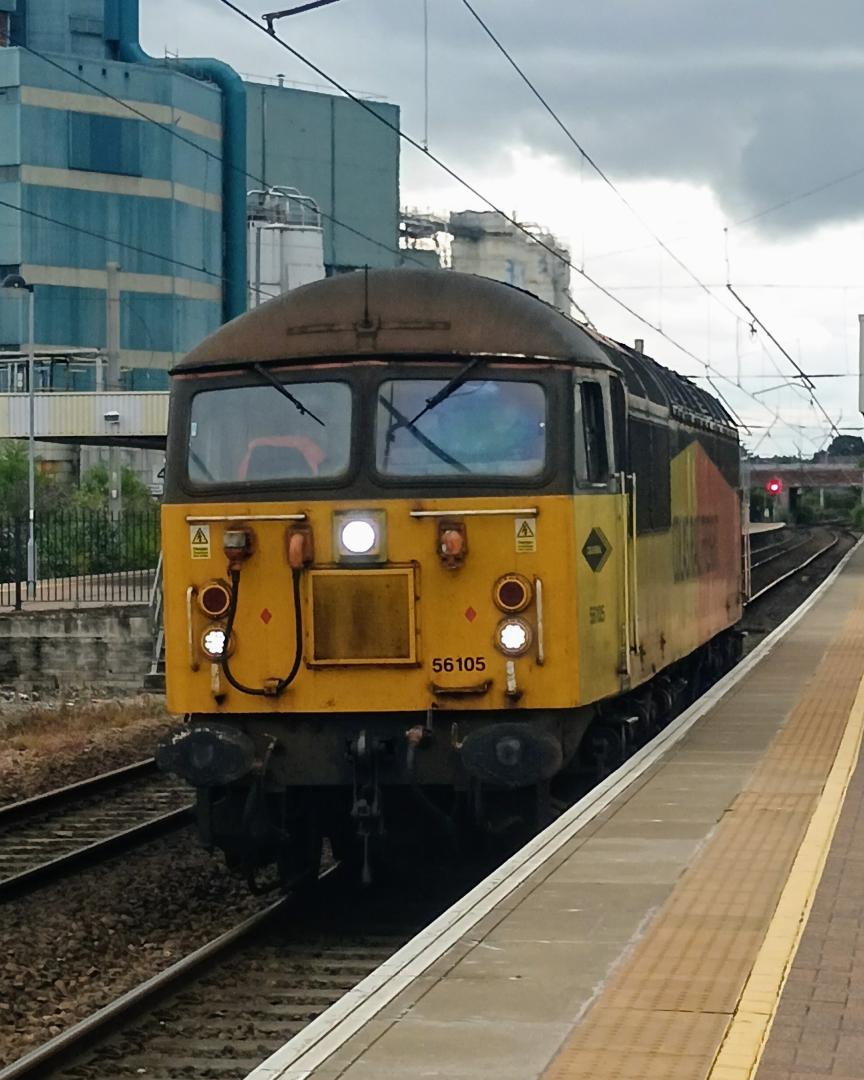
(429, 547)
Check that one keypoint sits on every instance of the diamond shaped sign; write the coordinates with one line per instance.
(597, 550)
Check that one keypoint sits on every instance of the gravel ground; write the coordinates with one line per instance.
(71, 948)
(46, 746)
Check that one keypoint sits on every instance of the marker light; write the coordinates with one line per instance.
(358, 536)
(214, 599)
(452, 543)
(213, 643)
(513, 637)
(513, 592)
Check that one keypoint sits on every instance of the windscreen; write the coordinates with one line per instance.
(486, 427)
(257, 433)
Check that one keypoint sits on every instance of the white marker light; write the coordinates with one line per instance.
(358, 537)
(513, 637)
(213, 643)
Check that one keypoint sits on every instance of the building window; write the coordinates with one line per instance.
(104, 144)
(5, 29)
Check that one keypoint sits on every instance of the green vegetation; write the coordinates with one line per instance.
(74, 531)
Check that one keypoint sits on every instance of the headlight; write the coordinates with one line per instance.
(358, 537)
(513, 637)
(214, 644)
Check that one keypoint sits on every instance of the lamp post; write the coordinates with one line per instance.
(15, 281)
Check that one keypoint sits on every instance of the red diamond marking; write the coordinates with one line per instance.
(470, 614)
(266, 616)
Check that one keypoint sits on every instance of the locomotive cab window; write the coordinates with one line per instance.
(259, 433)
(482, 427)
(593, 459)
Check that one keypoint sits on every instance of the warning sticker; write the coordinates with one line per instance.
(199, 541)
(526, 534)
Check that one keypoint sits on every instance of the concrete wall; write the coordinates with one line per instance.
(100, 650)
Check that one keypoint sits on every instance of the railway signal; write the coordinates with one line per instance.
(774, 486)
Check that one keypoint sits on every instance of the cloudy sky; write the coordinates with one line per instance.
(708, 119)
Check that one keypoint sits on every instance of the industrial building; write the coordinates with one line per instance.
(484, 242)
(109, 155)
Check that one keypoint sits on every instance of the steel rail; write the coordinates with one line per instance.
(45, 873)
(791, 573)
(784, 550)
(49, 800)
(73, 1040)
(69, 1043)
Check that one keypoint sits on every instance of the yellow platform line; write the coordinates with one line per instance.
(750, 1026)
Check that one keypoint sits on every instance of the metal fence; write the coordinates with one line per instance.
(82, 556)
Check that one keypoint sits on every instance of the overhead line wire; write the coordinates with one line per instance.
(594, 165)
(606, 179)
(170, 130)
(811, 386)
(797, 198)
(485, 199)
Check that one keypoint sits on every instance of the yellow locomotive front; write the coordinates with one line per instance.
(390, 599)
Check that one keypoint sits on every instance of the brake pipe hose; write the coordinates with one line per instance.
(285, 682)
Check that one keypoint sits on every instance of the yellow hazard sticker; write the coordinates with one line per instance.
(526, 534)
(199, 541)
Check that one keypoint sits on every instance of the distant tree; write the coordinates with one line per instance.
(846, 446)
(14, 488)
(93, 493)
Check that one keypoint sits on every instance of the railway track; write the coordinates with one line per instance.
(51, 835)
(826, 539)
(223, 1008)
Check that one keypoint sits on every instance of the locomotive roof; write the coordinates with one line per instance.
(423, 312)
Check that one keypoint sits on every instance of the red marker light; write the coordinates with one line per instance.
(774, 486)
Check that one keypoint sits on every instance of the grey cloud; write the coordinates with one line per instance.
(759, 100)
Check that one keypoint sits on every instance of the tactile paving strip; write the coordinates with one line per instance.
(664, 1013)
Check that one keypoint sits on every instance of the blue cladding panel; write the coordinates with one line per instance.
(10, 225)
(336, 152)
(13, 319)
(166, 323)
(64, 26)
(159, 226)
(149, 323)
(54, 138)
(104, 144)
(10, 127)
(365, 182)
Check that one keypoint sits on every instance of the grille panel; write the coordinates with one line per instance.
(363, 616)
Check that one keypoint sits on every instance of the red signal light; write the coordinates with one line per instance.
(774, 486)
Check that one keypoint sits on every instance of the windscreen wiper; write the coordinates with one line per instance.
(449, 388)
(298, 405)
(400, 421)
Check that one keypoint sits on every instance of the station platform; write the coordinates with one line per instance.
(700, 914)
(756, 528)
